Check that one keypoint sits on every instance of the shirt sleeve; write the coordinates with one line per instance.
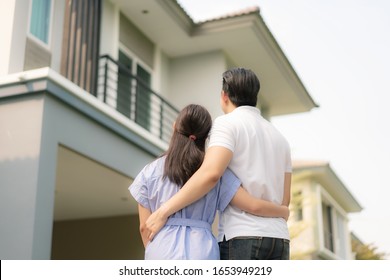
(222, 134)
(288, 167)
(139, 189)
(229, 184)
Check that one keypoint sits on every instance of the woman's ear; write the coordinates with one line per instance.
(174, 125)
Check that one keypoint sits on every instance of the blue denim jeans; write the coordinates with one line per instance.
(255, 248)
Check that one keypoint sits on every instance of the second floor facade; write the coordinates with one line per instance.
(148, 59)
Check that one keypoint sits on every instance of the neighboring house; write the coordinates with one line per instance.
(88, 94)
(319, 213)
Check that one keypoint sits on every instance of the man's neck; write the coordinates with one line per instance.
(230, 108)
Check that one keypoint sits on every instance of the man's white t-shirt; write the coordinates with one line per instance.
(261, 157)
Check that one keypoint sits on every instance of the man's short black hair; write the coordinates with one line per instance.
(241, 85)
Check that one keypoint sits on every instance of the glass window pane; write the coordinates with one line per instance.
(143, 75)
(327, 225)
(40, 19)
(143, 109)
(123, 101)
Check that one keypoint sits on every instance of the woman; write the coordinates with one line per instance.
(187, 234)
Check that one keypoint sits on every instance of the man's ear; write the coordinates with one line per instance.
(224, 96)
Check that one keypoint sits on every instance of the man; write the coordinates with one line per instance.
(259, 156)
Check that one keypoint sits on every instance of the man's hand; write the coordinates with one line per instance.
(155, 222)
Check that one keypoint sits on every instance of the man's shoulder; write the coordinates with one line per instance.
(220, 120)
(229, 117)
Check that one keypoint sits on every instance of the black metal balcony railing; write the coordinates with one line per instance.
(132, 97)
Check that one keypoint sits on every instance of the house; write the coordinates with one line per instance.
(319, 213)
(88, 93)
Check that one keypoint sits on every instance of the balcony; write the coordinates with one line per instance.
(132, 97)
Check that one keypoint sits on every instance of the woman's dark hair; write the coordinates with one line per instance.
(187, 147)
(241, 85)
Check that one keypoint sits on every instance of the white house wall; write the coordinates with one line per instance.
(7, 9)
(15, 16)
(186, 74)
(14, 20)
(109, 34)
(161, 74)
(303, 241)
(56, 35)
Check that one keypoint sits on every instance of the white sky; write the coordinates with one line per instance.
(341, 51)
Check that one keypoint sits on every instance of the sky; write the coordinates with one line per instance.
(340, 49)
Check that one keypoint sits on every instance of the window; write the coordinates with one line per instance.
(123, 99)
(143, 98)
(327, 221)
(40, 19)
(134, 94)
(334, 230)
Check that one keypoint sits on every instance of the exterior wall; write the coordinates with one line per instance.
(135, 40)
(20, 142)
(36, 55)
(307, 236)
(317, 217)
(117, 238)
(7, 11)
(161, 74)
(303, 233)
(6, 14)
(32, 128)
(175, 79)
(14, 19)
(72, 129)
(56, 34)
(186, 72)
(109, 35)
(18, 47)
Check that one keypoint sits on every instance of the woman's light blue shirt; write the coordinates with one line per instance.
(187, 234)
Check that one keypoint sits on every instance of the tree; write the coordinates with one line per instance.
(366, 251)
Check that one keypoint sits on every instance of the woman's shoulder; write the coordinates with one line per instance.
(155, 168)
